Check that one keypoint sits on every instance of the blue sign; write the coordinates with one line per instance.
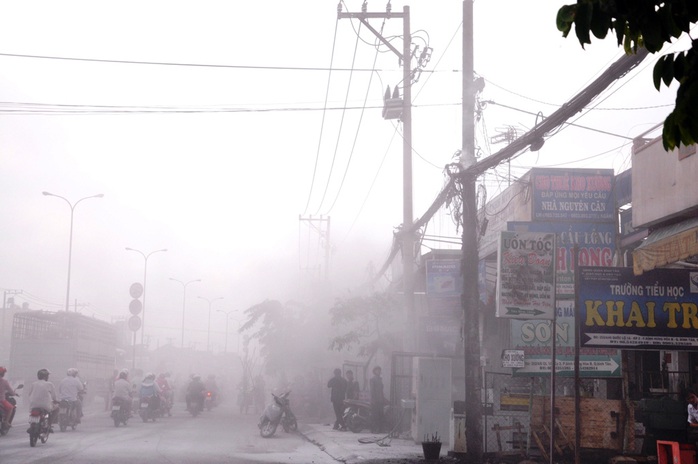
(573, 195)
(655, 310)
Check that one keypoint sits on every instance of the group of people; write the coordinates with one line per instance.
(342, 388)
(42, 394)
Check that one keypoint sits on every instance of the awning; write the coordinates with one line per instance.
(667, 245)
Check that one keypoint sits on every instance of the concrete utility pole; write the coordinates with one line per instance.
(469, 264)
(405, 57)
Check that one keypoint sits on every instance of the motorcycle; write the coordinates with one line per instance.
(275, 413)
(39, 426)
(195, 404)
(10, 399)
(149, 409)
(165, 406)
(357, 415)
(210, 400)
(120, 411)
(68, 413)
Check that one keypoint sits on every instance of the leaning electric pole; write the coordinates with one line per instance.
(469, 263)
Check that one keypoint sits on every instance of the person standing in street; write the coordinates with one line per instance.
(377, 401)
(352, 386)
(338, 393)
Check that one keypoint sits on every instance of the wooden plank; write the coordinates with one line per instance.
(540, 445)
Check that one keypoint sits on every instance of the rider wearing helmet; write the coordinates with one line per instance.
(149, 389)
(71, 389)
(195, 390)
(122, 391)
(42, 394)
(5, 389)
(165, 388)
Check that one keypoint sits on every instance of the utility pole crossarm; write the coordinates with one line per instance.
(363, 16)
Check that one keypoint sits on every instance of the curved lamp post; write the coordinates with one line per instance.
(70, 241)
(184, 301)
(208, 336)
(145, 274)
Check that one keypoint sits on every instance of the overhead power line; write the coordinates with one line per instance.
(200, 65)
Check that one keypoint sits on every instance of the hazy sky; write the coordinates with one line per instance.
(201, 123)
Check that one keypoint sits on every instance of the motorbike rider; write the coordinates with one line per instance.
(42, 395)
(122, 391)
(71, 389)
(6, 406)
(165, 387)
(150, 390)
(195, 390)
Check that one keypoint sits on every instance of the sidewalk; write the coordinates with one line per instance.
(366, 448)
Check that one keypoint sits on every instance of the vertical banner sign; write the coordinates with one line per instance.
(526, 271)
(657, 310)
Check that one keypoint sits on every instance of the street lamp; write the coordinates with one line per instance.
(70, 242)
(145, 274)
(184, 301)
(208, 336)
(227, 317)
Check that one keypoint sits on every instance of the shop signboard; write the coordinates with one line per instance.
(595, 244)
(573, 195)
(526, 275)
(533, 337)
(656, 310)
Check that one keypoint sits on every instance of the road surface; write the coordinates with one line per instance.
(221, 435)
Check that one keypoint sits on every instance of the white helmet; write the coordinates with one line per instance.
(73, 372)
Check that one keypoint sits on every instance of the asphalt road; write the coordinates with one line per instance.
(218, 436)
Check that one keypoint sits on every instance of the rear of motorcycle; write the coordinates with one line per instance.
(5, 427)
(119, 411)
(39, 426)
(67, 415)
(146, 410)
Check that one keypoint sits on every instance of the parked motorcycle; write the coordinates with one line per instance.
(10, 399)
(39, 426)
(120, 411)
(275, 413)
(357, 415)
(68, 413)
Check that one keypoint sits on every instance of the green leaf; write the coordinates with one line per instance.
(582, 22)
(619, 28)
(669, 133)
(600, 21)
(565, 18)
(657, 73)
(679, 66)
(668, 23)
(652, 34)
(668, 69)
